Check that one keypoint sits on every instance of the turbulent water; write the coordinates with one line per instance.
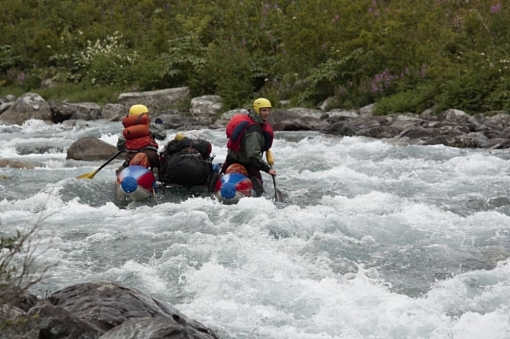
(372, 240)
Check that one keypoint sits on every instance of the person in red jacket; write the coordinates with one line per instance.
(249, 137)
(139, 135)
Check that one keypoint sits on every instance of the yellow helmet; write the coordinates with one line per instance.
(138, 109)
(179, 136)
(261, 103)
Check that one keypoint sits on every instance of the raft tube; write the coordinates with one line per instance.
(231, 187)
(135, 183)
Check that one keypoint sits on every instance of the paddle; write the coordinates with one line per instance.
(278, 195)
(92, 174)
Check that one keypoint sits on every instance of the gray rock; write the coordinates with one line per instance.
(453, 115)
(229, 114)
(205, 106)
(4, 106)
(16, 164)
(421, 133)
(26, 107)
(367, 110)
(155, 100)
(16, 324)
(108, 304)
(85, 110)
(284, 120)
(154, 328)
(90, 148)
(113, 112)
(56, 322)
(8, 98)
(439, 140)
(305, 112)
(342, 128)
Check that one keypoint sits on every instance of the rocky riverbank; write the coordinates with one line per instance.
(452, 127)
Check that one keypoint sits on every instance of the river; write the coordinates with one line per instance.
(372, 240)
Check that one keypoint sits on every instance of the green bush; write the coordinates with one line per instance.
(304, 51)
(413, 101)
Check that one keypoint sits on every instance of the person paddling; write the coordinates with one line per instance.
(249, 137)
(138, 136)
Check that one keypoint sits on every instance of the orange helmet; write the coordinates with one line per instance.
(237, 168)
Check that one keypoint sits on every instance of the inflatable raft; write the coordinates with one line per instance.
(233, 185)
(135, 183)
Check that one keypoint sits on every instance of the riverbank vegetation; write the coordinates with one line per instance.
(405, 55)
(19, 270)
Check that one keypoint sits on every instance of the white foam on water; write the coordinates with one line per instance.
(321, 265)
(271, 292)
(8, 152)
(54, 164)
(32, 126)
(477, 301)
(110, 138)
(135, 273)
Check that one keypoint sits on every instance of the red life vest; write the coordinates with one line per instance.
(137, 132)
(238, 125)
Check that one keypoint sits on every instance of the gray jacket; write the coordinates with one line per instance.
(252, 145)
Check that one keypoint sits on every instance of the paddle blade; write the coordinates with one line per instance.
(91, 174)
(278, 196)
(87, 175)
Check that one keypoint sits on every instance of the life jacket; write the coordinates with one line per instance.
(137, 132)
(237, 127)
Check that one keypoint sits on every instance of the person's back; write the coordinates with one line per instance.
(138, 136)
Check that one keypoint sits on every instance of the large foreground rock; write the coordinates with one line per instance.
(94, 310)
(107, 304)
(153, 328)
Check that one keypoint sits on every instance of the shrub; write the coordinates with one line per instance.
(18, 269)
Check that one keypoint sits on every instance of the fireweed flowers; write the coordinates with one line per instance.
(496, 8)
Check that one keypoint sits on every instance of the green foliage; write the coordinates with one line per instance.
(414, 101)
(304, 51)
(8, 60)
(233, 72)
(16, 91)
(322, 80)
(12, 246)
(468, 92)
(185, 57)
(76, 93)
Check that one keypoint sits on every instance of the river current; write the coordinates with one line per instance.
(372, 240)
